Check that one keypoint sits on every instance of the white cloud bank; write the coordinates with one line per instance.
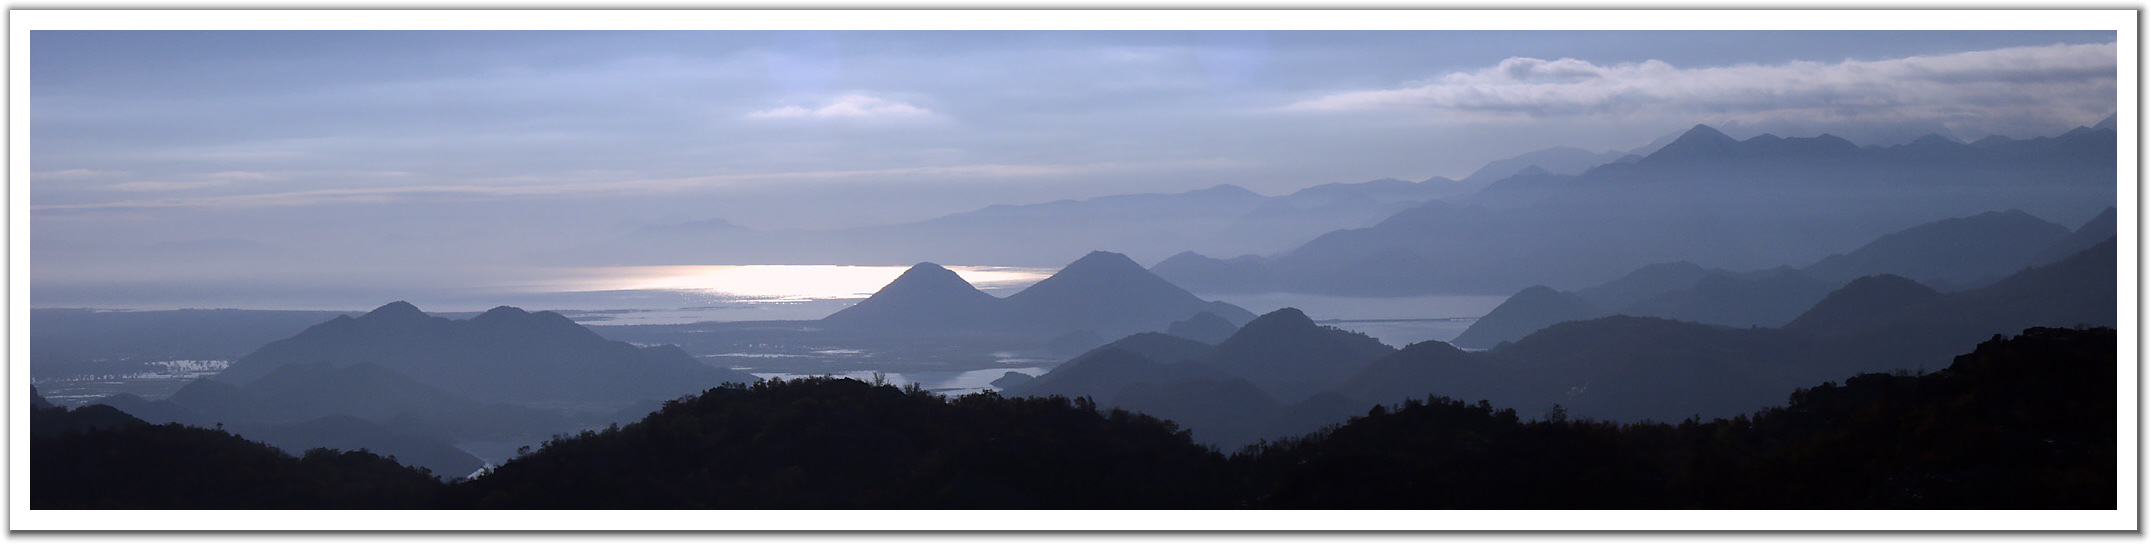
(1981, 91)
(850, 106)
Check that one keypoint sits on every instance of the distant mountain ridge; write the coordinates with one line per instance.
(1704, 198)
(1626, 368)
(1961, 251)
(1955, 253)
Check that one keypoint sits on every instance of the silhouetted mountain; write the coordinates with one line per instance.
(1865, 304)
(1896, 327)
(1769, 299)
(2019, 423)
(1148, 358)
(1102, 295)
(301, 407)
(2097, 230)
(503, 355)
(300, 392)
(1645, 283)
(925, 298)
(1290, 357)
(1203, 327)
(1010, 380)
(1558, 160)
(1285, 221)
(1229, 395)
(1957, 252)
(1528, 310)
(1109, 293)
(1630, 368)
(1412, 370)
(1244, 274)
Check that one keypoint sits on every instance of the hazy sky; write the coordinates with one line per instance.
(267, 141)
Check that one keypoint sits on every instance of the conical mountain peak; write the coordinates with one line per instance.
(926, 295)
(1699, 142)
(1281, 319)
(501, 312)
(1702, 133)
(397, 310)
(1102, 262)
(928, 278)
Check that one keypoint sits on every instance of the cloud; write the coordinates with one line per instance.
(153, 186)
(1988, 90)
(524, 188)
(850, 106)
(237, 175)
(77, 173)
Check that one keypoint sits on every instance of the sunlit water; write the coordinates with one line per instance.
(954, 383)
(156, 380)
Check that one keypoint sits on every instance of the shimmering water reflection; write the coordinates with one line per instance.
(780, 283)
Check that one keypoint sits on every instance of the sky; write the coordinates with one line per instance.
(398, 147)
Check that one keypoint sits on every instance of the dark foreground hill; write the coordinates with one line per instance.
(2021, 423)
(830, 443)
(98, 458)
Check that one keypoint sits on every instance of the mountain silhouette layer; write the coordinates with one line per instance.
(503, 355)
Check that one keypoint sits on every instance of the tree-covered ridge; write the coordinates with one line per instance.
(2019, 423)
(98, 458)
(835, 443)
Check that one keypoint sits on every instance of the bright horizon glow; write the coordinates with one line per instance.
(783, 282)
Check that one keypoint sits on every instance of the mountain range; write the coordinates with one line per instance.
(1282, 374)
(1626, 368)
(1705, 198)
(1951, 254)
(1253, 385)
